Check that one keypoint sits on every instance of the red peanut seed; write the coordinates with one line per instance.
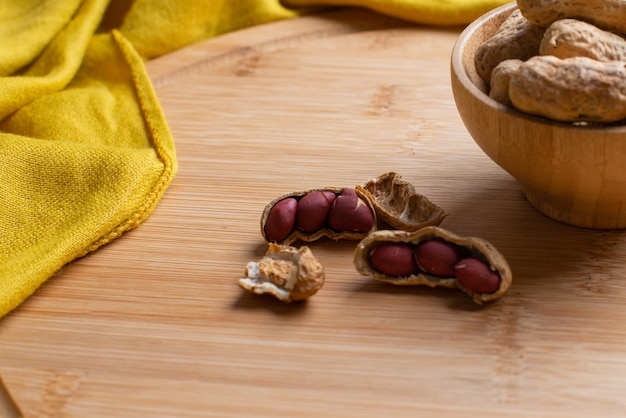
(349, 213)
(312, 210)
(477, 276)
(331, 196)
(393, 259)
(437, 258)
(281, 219)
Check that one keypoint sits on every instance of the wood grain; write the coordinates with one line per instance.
(8, 408)
(154, 324)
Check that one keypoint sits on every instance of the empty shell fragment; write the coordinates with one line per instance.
(286, 272)
(398, 204)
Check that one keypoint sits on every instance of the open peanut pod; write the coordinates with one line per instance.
(288, 273)
(435, 257)
(398, 204)
(333, 212)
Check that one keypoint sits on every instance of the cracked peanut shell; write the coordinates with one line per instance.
(398, 204)
(325, 231)
(473, 247)
(285, 272)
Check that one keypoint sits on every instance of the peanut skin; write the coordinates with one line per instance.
(605, 14)
(393, 259)
(572, 89)
(476, 276)
(437, 258)
(566, 38)
(349, 213)
(281, 220)
(312, 210)
(516, 38)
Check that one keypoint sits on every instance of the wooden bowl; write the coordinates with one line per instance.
(574, 174)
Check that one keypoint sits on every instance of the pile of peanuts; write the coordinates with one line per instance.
(421, 254)
(561, 59)
(438, 258)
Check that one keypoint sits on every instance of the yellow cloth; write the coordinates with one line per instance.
(85, 149)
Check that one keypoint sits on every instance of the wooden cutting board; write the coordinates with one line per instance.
(154, 324)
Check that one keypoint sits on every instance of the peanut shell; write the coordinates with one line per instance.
(605, 14)
(475, 247)
(288, 273)
(571, 89)
(398, 204)
(500, 78)
(566, 38)
(516, 38)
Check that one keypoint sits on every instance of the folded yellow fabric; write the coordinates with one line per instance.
(429, 12)
(86, 150)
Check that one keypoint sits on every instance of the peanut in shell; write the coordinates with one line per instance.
(326, 231)
(571, 89)
(566, 38)
(516, 38)
(605, 14)
(473, 247)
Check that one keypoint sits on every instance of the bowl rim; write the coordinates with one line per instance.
(458, 71)
(460, 45)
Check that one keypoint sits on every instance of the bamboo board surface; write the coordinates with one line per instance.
(154, 324)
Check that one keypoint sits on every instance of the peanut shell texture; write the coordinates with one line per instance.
(566, 38)
(571, 89)
(605, 14)
(398, 204)
(515, 38)
(285, 272)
